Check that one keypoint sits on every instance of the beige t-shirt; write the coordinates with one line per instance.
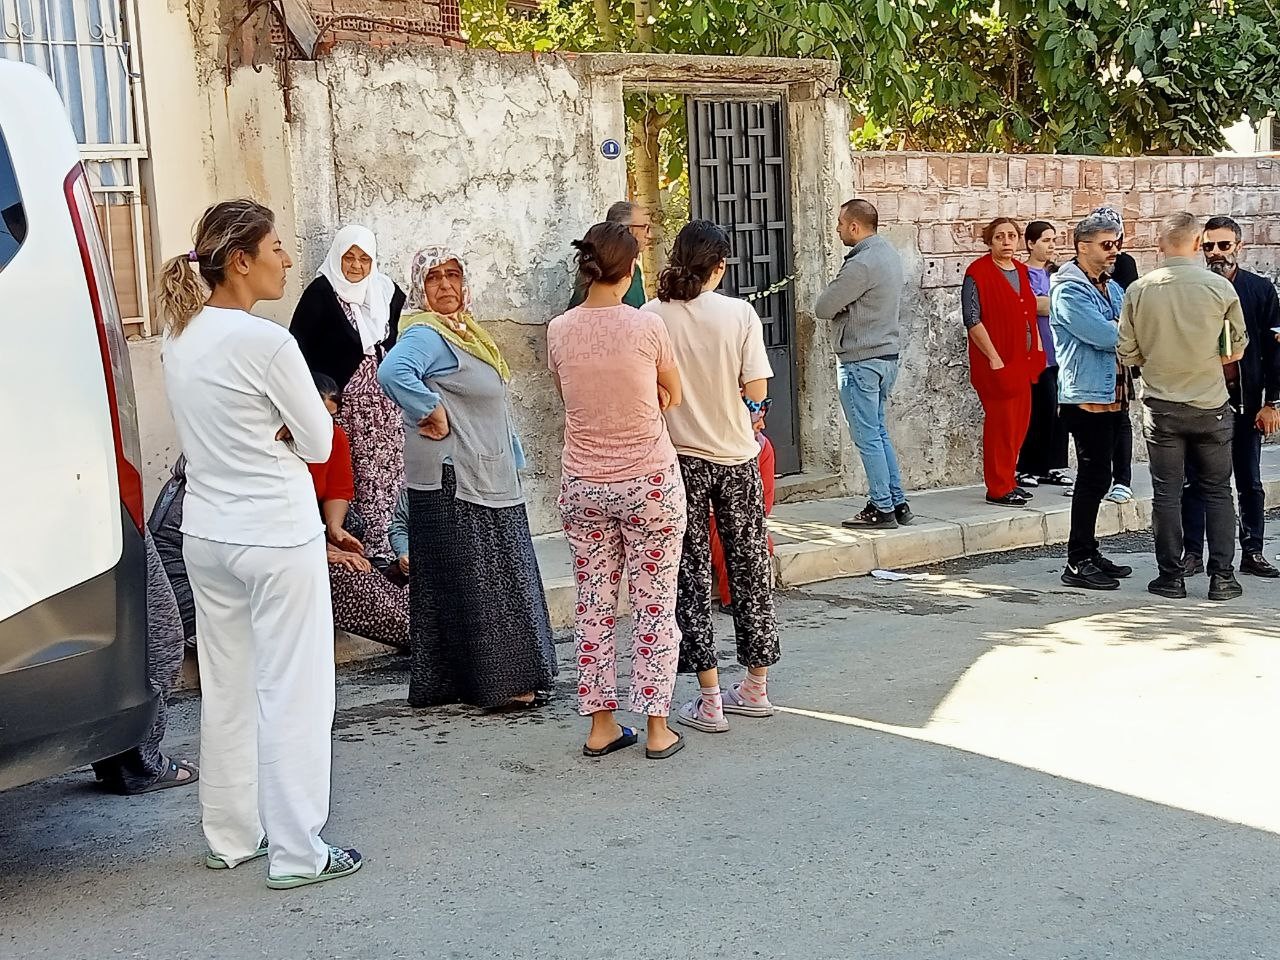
(719, 345)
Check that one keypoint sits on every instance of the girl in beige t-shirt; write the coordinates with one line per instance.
(718, 344)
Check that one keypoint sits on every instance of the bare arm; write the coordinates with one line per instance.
(669, 380)
(1042, 306)
(755, 390)
(982, 340)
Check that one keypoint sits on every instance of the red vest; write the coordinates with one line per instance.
(1008, 317)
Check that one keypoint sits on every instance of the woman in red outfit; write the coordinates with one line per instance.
(1005, 356)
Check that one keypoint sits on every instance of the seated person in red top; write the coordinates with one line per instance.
(364, 601)
(766, 462)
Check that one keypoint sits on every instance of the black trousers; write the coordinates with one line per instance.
(1177, 433)
(1246, 459)
(736, 495)
(1095, 436)
(1045, 447)
(1122, 454)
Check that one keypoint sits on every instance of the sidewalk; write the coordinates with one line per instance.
(811, 546)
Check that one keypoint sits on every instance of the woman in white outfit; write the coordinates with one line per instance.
(249, 421)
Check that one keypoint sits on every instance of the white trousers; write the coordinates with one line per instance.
(264, 627)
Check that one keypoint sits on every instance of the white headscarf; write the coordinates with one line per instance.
(370, 298)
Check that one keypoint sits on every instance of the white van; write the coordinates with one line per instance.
(73, 619)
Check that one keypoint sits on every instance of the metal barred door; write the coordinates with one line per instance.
(739, 177)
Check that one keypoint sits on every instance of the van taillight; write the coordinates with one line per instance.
(111, 341)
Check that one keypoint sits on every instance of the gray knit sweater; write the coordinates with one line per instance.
(863, 301)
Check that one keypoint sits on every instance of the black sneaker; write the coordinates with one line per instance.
(1256, 565)
(1024, 492)
(1011, 499)
(1117, 570)
(872, 518)
(1088, 576)
(1224, 586)
(1192, 565)
(902, 512)
(1175, 588)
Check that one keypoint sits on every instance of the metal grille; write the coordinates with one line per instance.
(739, 178)
(84, 46)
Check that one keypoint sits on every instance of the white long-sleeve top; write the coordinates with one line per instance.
(233, 381)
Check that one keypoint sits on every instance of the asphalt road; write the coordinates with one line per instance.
(977, 764)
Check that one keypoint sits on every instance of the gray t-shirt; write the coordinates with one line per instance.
(971, 308)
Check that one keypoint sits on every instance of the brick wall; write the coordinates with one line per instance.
(933, 207)
(387, 23)
(948, 199)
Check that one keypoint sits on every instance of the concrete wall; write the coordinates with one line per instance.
(499, 156)
(933, 206)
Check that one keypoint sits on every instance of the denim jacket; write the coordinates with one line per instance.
(1085, 330)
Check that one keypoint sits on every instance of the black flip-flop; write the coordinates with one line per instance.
(671, 751)
(628, 739)
(170, 778)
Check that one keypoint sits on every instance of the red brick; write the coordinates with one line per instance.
(1142, 174)
(1091, 175)
(1035, 172)
(957, 172)
(978, 172)
(895, 173)
(1018, 172)
(998, 173)
(909, 206)
(873, 174)
(1110, 176)
(1190, 173)
(886, 205)
(1084, 202)
(937, 171)
(917, 172)
(1124, 169)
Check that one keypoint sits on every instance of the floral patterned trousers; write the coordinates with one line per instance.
(640, 524)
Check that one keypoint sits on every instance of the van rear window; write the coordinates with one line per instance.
(13, 217)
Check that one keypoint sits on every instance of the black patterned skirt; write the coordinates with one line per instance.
(478, 624)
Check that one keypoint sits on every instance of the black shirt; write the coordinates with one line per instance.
(1125, 271)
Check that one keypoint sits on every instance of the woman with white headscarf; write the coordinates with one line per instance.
(478, 626)
(345, 323)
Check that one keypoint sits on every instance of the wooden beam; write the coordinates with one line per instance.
(301, 26)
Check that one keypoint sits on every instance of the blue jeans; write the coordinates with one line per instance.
(865, 386)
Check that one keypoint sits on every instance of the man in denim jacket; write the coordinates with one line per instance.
(1093, 390)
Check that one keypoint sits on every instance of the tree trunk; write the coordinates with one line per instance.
(644, 145)
(604, 23)
(644, 28)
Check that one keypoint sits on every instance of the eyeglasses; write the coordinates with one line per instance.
(1223, 245)
(646, 227)
(1108, 245)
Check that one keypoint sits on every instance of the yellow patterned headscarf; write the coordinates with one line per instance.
(458, 329)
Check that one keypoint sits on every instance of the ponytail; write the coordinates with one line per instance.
(232, 226)
(181, 294)
(606, 254)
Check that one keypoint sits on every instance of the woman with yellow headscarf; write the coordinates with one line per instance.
(478, 623)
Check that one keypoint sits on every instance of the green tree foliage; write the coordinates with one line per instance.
(1072, 76)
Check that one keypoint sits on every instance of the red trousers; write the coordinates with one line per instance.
(1004, 427)
(766, 461)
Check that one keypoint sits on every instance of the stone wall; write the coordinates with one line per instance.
(933, 208)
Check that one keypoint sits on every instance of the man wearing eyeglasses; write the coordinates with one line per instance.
(1254, 388)
(636, 218)
(1181, 323)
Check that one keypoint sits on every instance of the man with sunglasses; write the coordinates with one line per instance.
(1254, 388)
(1181, 323)
(636, 218)
(1093, 389)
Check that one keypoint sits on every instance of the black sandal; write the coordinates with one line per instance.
(628, 738)
(170, 777)
(670, 751)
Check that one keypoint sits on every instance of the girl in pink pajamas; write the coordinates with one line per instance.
(621, 498)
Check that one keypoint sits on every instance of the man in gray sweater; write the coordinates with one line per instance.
(862, 303)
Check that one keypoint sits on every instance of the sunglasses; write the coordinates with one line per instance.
(1223, 245)
(1109, 245)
